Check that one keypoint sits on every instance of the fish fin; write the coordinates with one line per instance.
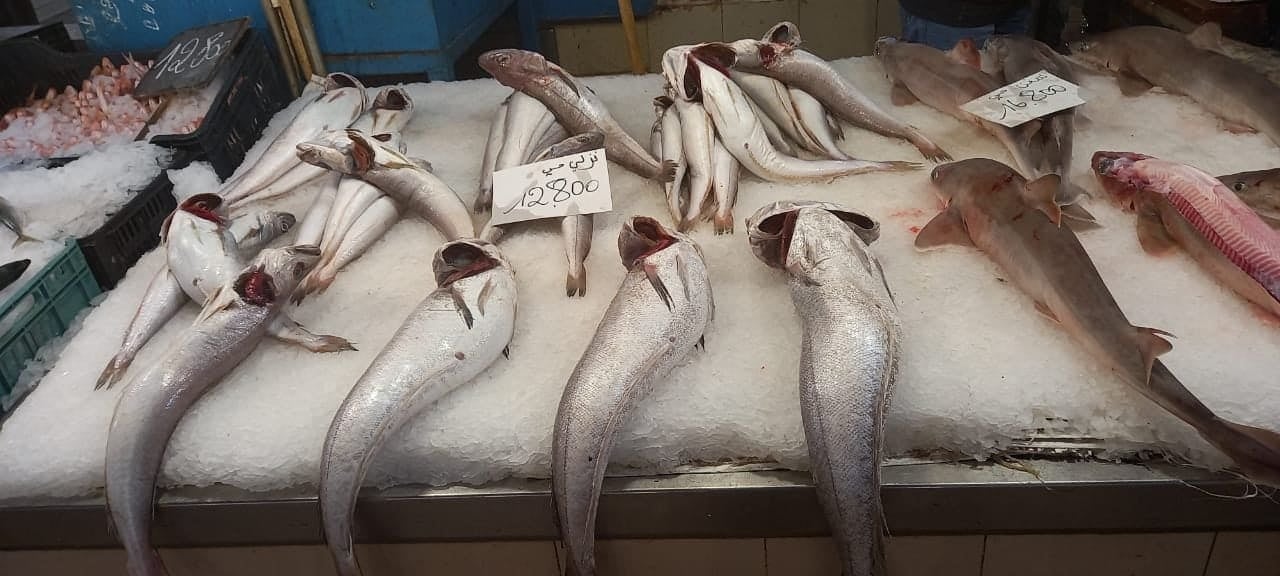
(506, 351)
(1151, 344)
(945, 228)
(668, 171)
(1152, 235)
(485, 292)
(575, 284)
(1040, 194)
(1069, 193)
(702, 342)
(723, 223)
(164, 227)
(1132, 86)
(558, 71)
(901, 96)
(1238, 128)
(286, 330)
(1259, 456)
(463, 310)
(651, 272)
(220, 299)
(1207, 36)
(837, 129)
(1044, 310)
(682, 272)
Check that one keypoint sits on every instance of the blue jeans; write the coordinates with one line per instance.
(943, 37)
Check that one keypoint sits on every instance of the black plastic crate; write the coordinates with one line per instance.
(253, 91)
(132, 231)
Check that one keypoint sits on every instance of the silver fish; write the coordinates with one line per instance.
(416, 189)
(151, 407)
(818, 124)
(367, 230)
(798, 68)
(311, 230)
(697, 134)
(527, 119)
(10, 218)
(671, 149)
(725, 173)
(389, 113)
(492, 146)
(773, 99)
(848, 363)
(337, 107)
(186, 247)
(549, 137)
(740, 129)
(661, 311)
(11, 272)
(574, 104)
(577, 229)
(453, 335)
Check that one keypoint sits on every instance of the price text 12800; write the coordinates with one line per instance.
(553, 192)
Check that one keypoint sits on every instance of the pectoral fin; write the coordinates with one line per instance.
(1207, 36)
(651, 272)
(1152, 235)
(1041, 194)
(1044, 310)
(901, 96)
(1132, 86)
(461, 304)
(221, 298)
(945, 228)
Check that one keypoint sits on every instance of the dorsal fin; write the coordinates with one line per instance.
(1040, 194)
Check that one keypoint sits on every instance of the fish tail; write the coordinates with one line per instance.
(897, 166)
(112, 373)
(147, 563)
(723, 222)
(1256, 451)
(345, 561)
(668, 171)
(575, 282)
(23, 238)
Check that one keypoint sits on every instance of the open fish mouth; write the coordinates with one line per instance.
(393, 99)
(642, 237)
(771, 228)
(464, 258)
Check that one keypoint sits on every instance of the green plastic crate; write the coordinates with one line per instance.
(42, 310)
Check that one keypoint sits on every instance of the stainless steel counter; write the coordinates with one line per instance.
(919, 499)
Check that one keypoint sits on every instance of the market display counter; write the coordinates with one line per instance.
(934, 498)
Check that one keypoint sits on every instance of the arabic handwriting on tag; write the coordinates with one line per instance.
(575, 184)
(1037, 95)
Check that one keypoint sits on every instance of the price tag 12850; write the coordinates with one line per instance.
(1037, 95)
(574, 184)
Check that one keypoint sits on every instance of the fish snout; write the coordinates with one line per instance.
(882, 44)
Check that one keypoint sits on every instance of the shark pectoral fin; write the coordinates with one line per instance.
(1207, 36)
(945, 228)
(1044, 310)
(1077, 213)
(1152, 235)
(1132, 86)
(901, 96)
(1041, 194)
(1237, 128)
(1152, 344)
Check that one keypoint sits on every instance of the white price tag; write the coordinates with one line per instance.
(1037, 95)
(574, 184)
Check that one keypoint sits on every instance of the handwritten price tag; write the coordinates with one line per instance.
(1037, 95)
(575, 184)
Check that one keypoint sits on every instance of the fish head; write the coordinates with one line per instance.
(884, 45)
(1115, 170)
(703, 61)
(966, 52)
(465, 258)
(282, 222)
(576, 144)
(337, 81)
(674, 63)
(514, 68)
(641, 237)
(1104, 51)
(970, 180)
(393, 98)
(783, 33)
(274, 274)
(391, 110)
(1260, 189)
(206, 206)
(778, 231)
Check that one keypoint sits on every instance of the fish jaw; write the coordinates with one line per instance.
(1115, 170)
(465, 258)
(771, 229)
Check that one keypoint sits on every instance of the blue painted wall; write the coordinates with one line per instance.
(147, 25)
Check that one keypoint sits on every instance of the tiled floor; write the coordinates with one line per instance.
(1191, 554)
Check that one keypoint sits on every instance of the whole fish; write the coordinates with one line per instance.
(1012, 58)
(11, 219)
(151, 407)
(848, 361)
(670, 148)
(200, 249)
(1259, 189)
(924, 73)
(986, 208)
(725, 173)
(492, 146)
(416, 189)
(527, 118)
(342, 101)
(817, 124)
(800, 69)
(1147, 55)
(774, 100)
(367, 230)
(353, 197)
(740, 130)
(1179, 204)
(549, 137)
(311, 230)
(574, 104)
(453, 335)
(577, 229)
(11, 272)
(697, 134)
(661, 311)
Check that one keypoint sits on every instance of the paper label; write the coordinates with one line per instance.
(1037, 95)
(574, 184)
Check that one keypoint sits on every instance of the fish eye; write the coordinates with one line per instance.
(285, 225)
(1238, 186)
